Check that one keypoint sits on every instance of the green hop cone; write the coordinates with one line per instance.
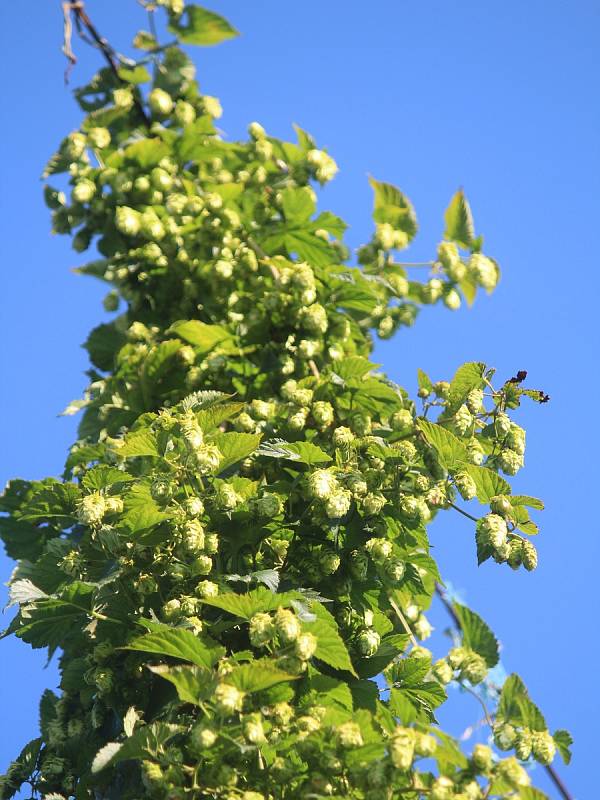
(367, 642)
(500, 504)
(261, 630)
(402, 748)
(442, 671)
(349, 735)
(473, 669)
(287, 625)
(160, 102)
(227, 699)
(543, 746)
(465, 485)
(442, 789)
(513, 773)
(524, 744)
(482, 758)
(529, 555)
(505, 736)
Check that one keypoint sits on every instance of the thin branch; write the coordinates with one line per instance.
(464, 513)
(402, 619)
(551, 772)
(82, 20)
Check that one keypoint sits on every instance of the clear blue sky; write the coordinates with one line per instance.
(500, 98)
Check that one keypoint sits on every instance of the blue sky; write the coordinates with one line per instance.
(498, 98)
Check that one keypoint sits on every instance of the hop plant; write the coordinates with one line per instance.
(237, 556)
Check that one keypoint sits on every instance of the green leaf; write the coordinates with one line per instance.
(192, 683)
(52, 500)
(179, 643)
(467, 377)
(393, 207)
(451, 451)
(424, 381)
(103, 343)
(477, 635)
(488, 483)
(235, 446)
(136, 75)
(50, 622)
(103, 476)
(309, 247)
(416, 702)
(157, 363)
(515, 705)
(390, 647)
(354, 367)
(202, 27)
(330, 646)
(247, 605)
(142, 442)
(141, 511)
(146, 152)
(459, 221)
(323, 690)
(307, 453)
(202, 336)
(563, 740)
(525, 500)
(257, 676)
(298, 204)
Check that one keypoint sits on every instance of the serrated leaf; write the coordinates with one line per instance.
(298, 204)
(257, 676)
(354, 367)
(142, 442)
(52, 621)
(424, 381)
(192, 683)
(130, 720)
(307, 453)
(450, 450)
(105, 755)
(24, 591)
(477, 635)
(52, 500)
(178, 643)
(330, 646)
(141, 511)
(146, 152)
(488, 483)
(202, 27)
(393, 207)
(246, 605)
(459, 221)
(516, 706)
(202, 336)
(103, 476)
(525, 500)
(563, 740)
(326, 691)
(235, 446)
(467, 377)
(136, 75)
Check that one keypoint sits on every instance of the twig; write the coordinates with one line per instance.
(402, 619)
(314, 369)
(76, 7)
(464, 513)
(551, 772)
